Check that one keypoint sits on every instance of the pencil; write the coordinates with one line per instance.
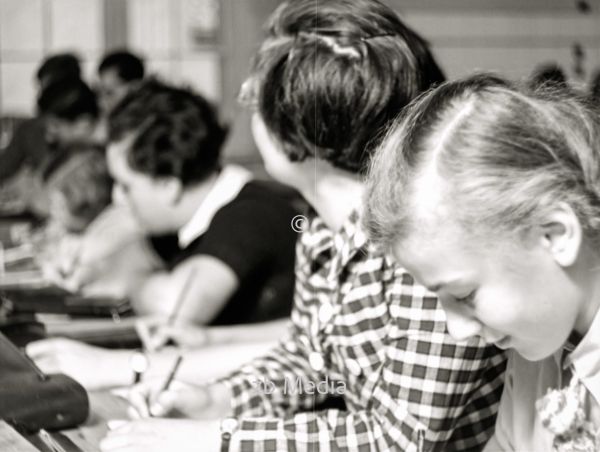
(182, 296)
(172, 373)
(167, 383)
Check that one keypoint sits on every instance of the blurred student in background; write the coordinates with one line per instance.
(69, 114)
(92, 246)
(28, 146)
(233, 258)
(22, 160)
(70, 110)
(118, 72)
(61, 66)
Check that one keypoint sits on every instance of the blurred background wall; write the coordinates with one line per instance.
(207, 43)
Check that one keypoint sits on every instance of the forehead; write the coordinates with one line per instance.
(429, 209)
(428, 242)
(435, 245)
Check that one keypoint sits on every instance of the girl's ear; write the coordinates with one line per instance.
(562, 235)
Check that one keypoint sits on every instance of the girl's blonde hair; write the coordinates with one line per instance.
(505, 155)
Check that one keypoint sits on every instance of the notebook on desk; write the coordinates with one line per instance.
(25, 314)
(102, 332)
(23, 279)
(53, 299)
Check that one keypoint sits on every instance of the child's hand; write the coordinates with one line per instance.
(94, 367)
(148, 399)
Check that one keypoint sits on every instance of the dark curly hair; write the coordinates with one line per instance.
(177, 132)
(129, 67)
(57, 67)
(332, 73)
(68, 99)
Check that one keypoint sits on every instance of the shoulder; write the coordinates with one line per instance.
(260, 203)
(266, 193)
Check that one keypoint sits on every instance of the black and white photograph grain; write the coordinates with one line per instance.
(299, 225)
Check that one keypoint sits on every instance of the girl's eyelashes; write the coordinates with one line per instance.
(467, 299)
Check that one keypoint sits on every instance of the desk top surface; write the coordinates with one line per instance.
(103, 407)
(11, 441)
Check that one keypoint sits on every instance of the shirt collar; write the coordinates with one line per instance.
(584, 358)
(351, 238)
(340, 246)
(226, 188)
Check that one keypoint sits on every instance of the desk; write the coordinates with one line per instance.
(11, 441)
(103, 407)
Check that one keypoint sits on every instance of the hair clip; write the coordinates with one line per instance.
(331, 38)
(367, 38)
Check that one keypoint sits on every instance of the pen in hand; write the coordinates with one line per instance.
(147, 333)
(167, 384)
(171, 376)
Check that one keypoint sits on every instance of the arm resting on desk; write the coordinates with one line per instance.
(211, 286)
(254, 332)
(156, 332)
(97, 368)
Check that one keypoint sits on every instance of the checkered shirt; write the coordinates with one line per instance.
(382, 343)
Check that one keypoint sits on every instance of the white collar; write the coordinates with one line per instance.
(228, 185)
(585, 358)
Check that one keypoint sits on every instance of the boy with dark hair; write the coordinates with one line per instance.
(28, 147)
(28, 151)
(235, 252)
(117, 73)
(231, 268)
(61, 66)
